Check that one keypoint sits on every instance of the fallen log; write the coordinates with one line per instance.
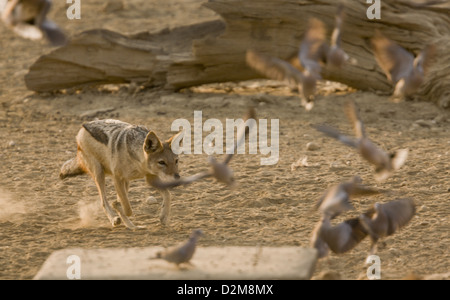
(102, 56)
(214, 51)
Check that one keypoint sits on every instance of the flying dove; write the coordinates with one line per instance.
(380, 221)
(404, 71)
(184, 252)
(313, 52)
(346, 235)
(278, 69)
(336, 199)
(385, 219)
(219, 170)
(28, 18)
(313, 48)
(339, 238)
(385, 163)
(336, 56)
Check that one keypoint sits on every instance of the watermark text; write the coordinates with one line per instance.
(374, 270)
(74, 269)
(374, 11)
(74, 10)
(213, 142)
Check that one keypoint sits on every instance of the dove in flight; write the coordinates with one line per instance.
(278, 69)
(219, 170)
(379, 221)
(336, 56)
(385, 163)
(336, 199)
(404, 71)
(28, 18)
(312, 54)
(339, 238)
(346, 235)
(385, 219)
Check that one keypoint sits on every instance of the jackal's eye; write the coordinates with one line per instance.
(176, 161)
(162, 163)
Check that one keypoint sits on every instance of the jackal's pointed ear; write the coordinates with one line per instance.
(152, 143)
(175, 137)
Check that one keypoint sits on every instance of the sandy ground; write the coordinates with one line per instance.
(272, 205)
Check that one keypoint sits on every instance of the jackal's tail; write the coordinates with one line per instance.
(71, 168)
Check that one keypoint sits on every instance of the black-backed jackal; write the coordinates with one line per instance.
(126, 152)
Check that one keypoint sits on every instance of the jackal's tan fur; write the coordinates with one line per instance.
(125, 152)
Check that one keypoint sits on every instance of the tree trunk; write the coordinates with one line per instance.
(214, 51)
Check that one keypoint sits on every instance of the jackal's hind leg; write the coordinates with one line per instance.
(122, 195)
(71, 168)
(99, 177)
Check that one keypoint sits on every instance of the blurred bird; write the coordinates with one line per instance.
(28, 18)
(380, 221)
(279, 69)
(404, 71)
(336, 199)
(385, 219)
(219, 170)
(184, 252)
(314, 50)
(385, 163)
(339, 238)
(312, 54)
(346, 235)
(336, 56)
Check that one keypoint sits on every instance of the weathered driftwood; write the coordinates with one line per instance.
(214, 51)
(101, 56)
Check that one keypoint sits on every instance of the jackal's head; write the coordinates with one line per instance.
(159, 158)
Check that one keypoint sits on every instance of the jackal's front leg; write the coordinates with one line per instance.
(97, 173)
(165, 207)
(117, 206)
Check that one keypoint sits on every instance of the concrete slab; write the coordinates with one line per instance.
(214, 263)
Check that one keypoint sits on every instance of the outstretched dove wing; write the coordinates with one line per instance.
(273, 68)
(399, 213)
(393, 59)
(353, 115)
(334, 133)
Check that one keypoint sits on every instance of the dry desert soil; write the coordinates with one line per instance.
(271, 205)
